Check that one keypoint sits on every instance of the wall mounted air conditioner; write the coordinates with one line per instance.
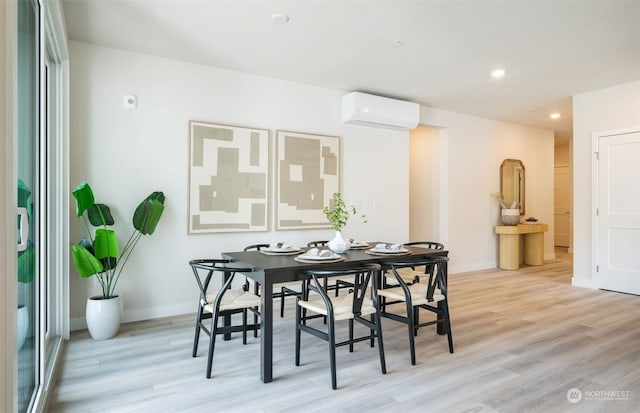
(379, 112)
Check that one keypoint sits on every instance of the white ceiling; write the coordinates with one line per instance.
(550, 49)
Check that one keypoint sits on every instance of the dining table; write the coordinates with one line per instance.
(268, 270)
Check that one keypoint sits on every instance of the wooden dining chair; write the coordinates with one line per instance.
(429, 292)
(287, 289)
(223, 302)
(360, 305)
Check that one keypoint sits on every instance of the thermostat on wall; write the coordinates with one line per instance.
(130, 101)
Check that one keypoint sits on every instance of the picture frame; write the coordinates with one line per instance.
(229, 178)
(308, 173)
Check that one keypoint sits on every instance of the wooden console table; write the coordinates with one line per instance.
(510, 235)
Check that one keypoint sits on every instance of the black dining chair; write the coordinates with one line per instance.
(409, 274)
(223, 302)
(428, 291)
(287, 289)
(360, 305)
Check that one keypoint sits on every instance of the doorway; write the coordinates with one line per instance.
(562, 206)
(617, 217)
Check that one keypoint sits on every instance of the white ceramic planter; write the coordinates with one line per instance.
(23, 325)
(103, 316)
(338, 244)
(510, 216)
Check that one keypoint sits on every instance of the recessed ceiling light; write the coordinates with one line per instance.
(498, 73)
(279, 18)
(398, 42)
(555, 116)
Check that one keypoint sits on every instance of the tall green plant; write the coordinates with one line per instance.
(339, 213)
(100, 254)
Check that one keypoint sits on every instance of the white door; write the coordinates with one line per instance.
(619, 212)
(562, 205)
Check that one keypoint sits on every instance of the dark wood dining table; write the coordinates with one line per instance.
(273, 269)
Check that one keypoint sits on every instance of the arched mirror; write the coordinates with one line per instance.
(512, 182)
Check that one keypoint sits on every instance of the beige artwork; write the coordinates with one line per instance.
(308, 174)
(228, 178)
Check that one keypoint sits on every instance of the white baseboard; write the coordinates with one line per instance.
(582, 282)
(478, 266)
(128, 316)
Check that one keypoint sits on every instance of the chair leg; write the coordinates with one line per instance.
(416, 320)
(332, 352)
(411, 328)
(298, 322)
(378, 324)
(197, 335)
(282, 302)
(351, 335)
(372, 320)
(255, 313)
(244, 326)
(448, 326)
(212, 342)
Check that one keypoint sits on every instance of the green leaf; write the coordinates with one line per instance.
(86, 264)
(84, 198)
(27, 264)
(85, 242)
(148, 213)
(100, 215)
(106, 244)
(24, 193)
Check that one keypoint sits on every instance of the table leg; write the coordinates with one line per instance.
(509, 251)
(266, 333)
(534, 248)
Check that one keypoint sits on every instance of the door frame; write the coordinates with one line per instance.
(8, 200)
(595, 192)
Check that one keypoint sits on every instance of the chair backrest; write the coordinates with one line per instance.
(426, 244)
(317, 243)
(364, 280)
(255, 247)
(204, 269)
(435, 268)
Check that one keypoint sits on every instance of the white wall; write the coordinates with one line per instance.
(109, 147)
(602, 110)
(126, 154)
(476, 147)
(424, 184)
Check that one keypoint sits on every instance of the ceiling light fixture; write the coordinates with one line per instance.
(280, 18)
(555, 116)
(498, 73)
(398, 42)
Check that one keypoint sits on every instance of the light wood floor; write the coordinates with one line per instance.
(522, 340)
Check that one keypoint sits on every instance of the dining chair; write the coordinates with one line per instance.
(362, 301)
(224, 302)
(409, 274)
(429, 292)
(286, 288)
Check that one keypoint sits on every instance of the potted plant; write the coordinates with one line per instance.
(26, 258)
(509, 215)
(100, 254)
(338, 214)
